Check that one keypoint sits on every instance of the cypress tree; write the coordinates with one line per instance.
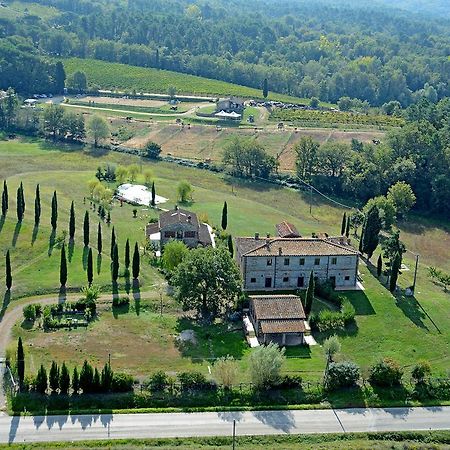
(395, 267)
(72, 222)
(53, 377)
(115, 264)
(90, 267)
(5, 200)
(106, 378)
(379, 266)
(75, 381)
(22, 198)
(309, 298)
(108, 218)
(113, 241)
(54, 218)
(127, 255)
(344, 224)
(136, 262)
(63, 267)
(230, 245)
(153, 194)
(99, 238)
(41, 382)
(86, 229)
(224, 216)
(19, 205)
(372, 230)
(265, 89)
(96, 383)
(347, 228)
(20, 361)
(360, 247)
(37, 206)
(8, 278)
(64, 379)
(86, 378)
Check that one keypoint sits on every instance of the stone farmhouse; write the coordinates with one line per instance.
(278, 318)
(180, 224)
(275, 263)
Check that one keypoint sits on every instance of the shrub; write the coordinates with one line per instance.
(226, 371)
(327, 320)
(348, 312)
(158, 382)
(421, 371)
(386, 373)
(342, 374)
(120, 301)
(265, 365)
(192, 381)
(29, 313)
(122, 382)
(290, 382)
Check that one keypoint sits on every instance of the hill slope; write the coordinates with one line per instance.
(115, 76)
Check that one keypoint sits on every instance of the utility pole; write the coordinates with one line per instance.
(234, 435)
(161, 303)
(310, 199)
(415, 274)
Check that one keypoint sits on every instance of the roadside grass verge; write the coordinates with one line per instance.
(386, 440)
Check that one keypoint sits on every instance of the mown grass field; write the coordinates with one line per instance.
(407, 329)
(115, 76)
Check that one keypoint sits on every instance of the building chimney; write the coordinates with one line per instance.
(280, 251)
(256, 236)
(268, 235)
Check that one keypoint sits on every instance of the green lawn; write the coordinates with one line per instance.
(407, 329)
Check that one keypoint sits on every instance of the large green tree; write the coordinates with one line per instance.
(207, 281)
(86, 229)
(309, 297)
(173, 254)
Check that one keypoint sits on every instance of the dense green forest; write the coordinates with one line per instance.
(309, 49)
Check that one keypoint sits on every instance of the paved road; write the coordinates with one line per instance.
(120, 426)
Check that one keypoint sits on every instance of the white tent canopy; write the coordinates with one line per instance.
(137, 194)
(225, 115)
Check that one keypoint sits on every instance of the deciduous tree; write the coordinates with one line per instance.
(207, 280)
(98, 129)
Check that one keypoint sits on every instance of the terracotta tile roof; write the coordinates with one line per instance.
(291, 247)
(203, 235)
(282, 326)
(152, 228)
(277, 307)
(286, 229)
(177, 216)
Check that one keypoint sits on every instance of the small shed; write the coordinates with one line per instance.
(278, 318)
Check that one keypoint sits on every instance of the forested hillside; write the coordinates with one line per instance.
(309, 49)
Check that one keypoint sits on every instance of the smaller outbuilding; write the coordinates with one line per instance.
(287, 230)
(278, 318)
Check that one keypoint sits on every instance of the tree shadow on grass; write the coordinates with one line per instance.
(51, 242)
(280, 420)
(412, 310)
(6, 301)
(35, 233)
(85, 256)
(16, 233)
(96, 152)
(120, 310)
(415, 312)
(360, 302)
(2, 222)
(70, 249)
(99, 263)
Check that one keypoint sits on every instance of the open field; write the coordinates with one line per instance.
(15, 9)
(407, 329)
(115, 76)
